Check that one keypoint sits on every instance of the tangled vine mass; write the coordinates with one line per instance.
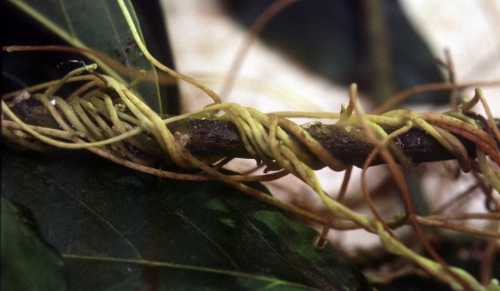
(106, 117)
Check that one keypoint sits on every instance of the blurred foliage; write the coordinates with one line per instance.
(332, 38)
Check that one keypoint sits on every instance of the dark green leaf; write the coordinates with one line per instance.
(100, 25)
(28, 263)
(211, 237)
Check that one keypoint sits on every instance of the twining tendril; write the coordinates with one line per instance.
(105, 116)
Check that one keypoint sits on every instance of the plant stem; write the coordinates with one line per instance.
(206, 138)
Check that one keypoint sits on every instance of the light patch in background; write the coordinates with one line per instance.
(470, 30)
(205, 42)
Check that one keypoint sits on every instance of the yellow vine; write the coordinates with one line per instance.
(94, 119)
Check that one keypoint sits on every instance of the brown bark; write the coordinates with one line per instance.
(216, 138)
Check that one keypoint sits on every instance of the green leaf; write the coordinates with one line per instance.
(100, 25)
(28, 263)
(128, 231)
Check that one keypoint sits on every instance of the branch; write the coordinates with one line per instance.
(210, 138)
(206, 138)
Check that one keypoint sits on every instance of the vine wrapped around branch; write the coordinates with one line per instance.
(106, 117)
